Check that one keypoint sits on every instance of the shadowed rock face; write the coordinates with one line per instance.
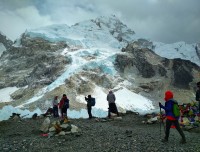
(147, 65)
(182, 70)
(6, 42)
(142, 59)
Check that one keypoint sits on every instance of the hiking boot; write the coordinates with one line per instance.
(183, 141)
(164, 140)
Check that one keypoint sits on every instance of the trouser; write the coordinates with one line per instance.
(89, 109)
(55, 111)
(64, 112)
(112, 108)
(176, 124)
(199, 106)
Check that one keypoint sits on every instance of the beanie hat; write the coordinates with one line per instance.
(168, 95)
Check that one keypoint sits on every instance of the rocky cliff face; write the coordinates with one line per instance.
(36, 62)
(5, 41)
(154, 74)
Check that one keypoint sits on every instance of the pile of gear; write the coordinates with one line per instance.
(190, 117)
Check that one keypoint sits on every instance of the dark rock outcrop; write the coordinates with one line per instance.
(6, 42)
(148, 68)
(142, 59)
(183, 75)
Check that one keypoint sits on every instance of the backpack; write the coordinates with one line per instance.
(93, 102)
(66, 103)
(176, 110)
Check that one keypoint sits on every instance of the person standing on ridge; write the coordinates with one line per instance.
(198, 95)
(89, 106)
(55, 106)
(171, 119)
(111, 104)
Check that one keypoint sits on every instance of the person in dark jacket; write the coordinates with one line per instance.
(89, 107)
(64, 105)
(55, 106)
(111, 104)
(171, 119)
(198, 95)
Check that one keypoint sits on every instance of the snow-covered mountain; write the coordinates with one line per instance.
(92, 57)
(178, 50)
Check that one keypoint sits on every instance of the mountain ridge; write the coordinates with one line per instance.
(82, 57)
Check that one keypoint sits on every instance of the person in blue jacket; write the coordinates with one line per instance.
(89, 107)
(171, 119)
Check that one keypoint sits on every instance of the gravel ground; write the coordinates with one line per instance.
(126, 135)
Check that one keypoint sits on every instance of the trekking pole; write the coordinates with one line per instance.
(160, 120)
(24, 115)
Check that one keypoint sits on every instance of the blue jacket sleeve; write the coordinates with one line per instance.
(167, 107)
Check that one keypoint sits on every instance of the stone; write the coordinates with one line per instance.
(66, 127)
(117, 118)
(52, 129)
(45, 125)
(62, 133)
(74, 129)
(16, 117)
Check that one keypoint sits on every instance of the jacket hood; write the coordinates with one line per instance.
(168, 95)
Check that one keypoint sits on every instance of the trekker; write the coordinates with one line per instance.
(171, 119)
(111, 103)
(89, 106)
(198, 95)
(64, 105)
(55, 106)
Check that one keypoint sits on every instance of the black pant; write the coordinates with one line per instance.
(55, 111)
(112, 108)
(176, 124)
(199, 106)
(64, 112)
(89, 108)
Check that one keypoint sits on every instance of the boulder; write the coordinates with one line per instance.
(45, 125)
(74, 129)
(52, 129)
(62, 133)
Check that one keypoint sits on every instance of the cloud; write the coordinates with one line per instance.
(166, 21)
(14, 23)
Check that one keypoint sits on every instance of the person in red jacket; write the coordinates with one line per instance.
(64, 105)
(171, 119)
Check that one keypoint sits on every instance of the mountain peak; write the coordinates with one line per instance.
(86, 34)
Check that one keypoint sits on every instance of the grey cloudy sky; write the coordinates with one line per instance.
(160, 20)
